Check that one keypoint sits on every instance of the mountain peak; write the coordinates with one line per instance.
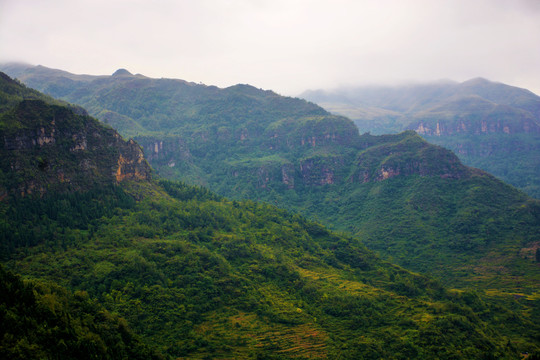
(122, 72)
(477, 81)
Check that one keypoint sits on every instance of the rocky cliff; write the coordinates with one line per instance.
(46, 146)
(371, 159)
(473, 115)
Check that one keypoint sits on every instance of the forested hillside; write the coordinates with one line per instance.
(200, 276)
(44, 321)
(413, 202)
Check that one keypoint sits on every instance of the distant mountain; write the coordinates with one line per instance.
(199, 276)
(489, 125)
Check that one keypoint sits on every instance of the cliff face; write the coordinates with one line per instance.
(500, 120)
(317, 171)
(165, 150)
(131, 163)
(48, 146)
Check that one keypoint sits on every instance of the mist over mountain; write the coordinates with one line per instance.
(489, 125)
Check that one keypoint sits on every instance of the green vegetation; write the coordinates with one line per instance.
(44, 321)
(200, 276)
(48, 147)
(392, 190)
(13, 92)
(511, 158)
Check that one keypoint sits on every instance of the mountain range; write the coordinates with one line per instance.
(489, 125)
(413, 202)
(130, 267)
(198, 275)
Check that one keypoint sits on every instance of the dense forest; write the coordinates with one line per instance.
(201, 276)
(45, 321)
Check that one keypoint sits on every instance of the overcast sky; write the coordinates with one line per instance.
(284, 45)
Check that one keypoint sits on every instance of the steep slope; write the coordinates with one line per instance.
(45, 145)
(206, 278)
(489, 125)
(200, 276)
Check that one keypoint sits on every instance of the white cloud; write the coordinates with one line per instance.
(287, 46)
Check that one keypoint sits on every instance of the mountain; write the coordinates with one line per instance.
(489, 125)
(244, 142)
(199, 276)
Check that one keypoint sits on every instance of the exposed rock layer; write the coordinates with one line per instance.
(35, 137)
